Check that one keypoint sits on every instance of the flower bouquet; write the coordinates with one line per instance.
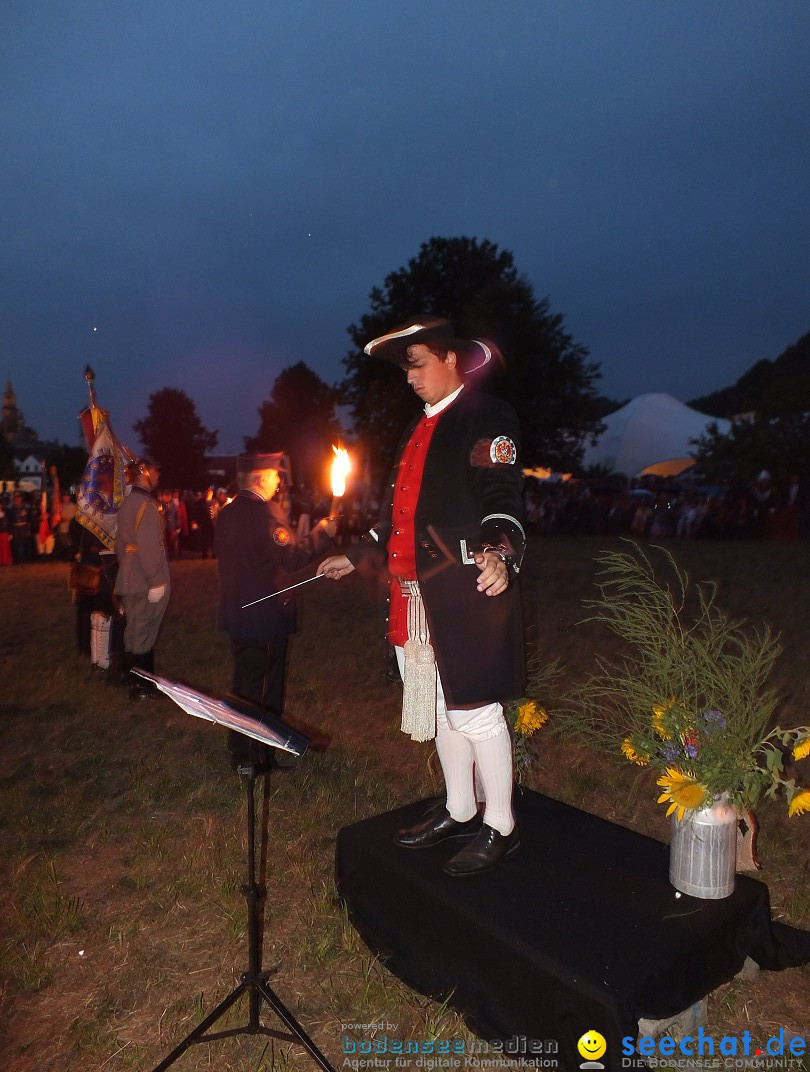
(690, 698)
(526, 715)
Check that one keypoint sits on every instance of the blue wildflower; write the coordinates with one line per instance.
(714, 720)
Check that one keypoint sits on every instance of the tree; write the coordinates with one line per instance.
(299, 418)
(70, 462)
(175, 438)
(775, 395)
(8, 470)
(546, 378)
(781, 445)
(778, 388)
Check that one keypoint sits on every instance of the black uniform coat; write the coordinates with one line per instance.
(464, 495)
(257, 552)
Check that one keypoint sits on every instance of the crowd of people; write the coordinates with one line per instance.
(23, 537)
(663, 509)
(667, 509)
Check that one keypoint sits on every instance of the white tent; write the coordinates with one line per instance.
(652, 433)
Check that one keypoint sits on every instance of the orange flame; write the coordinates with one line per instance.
(341, 466)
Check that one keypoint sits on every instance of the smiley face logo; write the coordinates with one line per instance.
(592, 1046)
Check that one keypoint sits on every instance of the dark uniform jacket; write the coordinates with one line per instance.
(467, 496)
(257, 552)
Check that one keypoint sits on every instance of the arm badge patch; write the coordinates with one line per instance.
(487, 453)
(503, 451)
(282, 536)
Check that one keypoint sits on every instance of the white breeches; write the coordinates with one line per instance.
(474, 746)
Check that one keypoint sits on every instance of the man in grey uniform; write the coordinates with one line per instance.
(143, 571)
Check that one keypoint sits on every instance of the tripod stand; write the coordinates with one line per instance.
(254, 980)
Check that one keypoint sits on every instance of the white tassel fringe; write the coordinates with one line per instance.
(419, 677)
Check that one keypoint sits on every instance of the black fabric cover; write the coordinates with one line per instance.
(581, 930)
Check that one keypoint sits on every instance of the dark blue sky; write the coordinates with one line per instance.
(198, 194)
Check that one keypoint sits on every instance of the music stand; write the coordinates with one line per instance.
(235, 714)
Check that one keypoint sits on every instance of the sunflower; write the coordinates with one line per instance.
(658, 712)
(530, 717)
(802, 749)
(800, 802)
(683, 792)
(634, 756)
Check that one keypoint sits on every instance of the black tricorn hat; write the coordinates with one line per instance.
(255, 463)
(473, 353)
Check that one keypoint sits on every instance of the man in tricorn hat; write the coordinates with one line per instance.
(143, 571)
(257, 550)
(452, 540)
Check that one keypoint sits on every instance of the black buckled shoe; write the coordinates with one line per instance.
(435, 829)
(483, 852)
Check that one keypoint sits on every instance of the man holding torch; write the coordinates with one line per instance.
(257, 550)
(453, 542)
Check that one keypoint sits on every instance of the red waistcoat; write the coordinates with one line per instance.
(402, 542)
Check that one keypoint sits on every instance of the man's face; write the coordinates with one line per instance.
(430, 377)
(269, 482)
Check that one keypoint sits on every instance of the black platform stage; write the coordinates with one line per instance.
(580, 931)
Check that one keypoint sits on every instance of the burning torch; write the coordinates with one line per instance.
(341, 466)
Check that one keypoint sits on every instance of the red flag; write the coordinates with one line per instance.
(87, 426)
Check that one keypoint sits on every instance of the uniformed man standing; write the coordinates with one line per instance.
(452, 540)
(143, 572)
(257, 551)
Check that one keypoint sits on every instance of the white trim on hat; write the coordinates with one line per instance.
(403, 333)
(487, 356)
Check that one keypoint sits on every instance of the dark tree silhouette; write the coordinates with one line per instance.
(299, 418)
(781, 445)
(175, 438)
(546, 378)
(7, 469)
(778, 388)
(70, 462)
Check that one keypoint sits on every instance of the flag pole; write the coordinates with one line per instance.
(90, 376)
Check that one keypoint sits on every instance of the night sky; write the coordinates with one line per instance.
(200, 193)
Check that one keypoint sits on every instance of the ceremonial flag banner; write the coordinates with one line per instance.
(88, 425)
(102, 488)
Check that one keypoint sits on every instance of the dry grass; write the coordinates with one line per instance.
(121, 826)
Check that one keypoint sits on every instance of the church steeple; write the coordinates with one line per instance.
(13, 422)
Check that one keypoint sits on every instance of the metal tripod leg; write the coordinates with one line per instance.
(254, 980)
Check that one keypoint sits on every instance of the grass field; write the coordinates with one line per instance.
(122, 827)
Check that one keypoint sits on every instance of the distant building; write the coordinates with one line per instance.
(27, 449)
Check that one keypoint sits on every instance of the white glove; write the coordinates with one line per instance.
(154, 595)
